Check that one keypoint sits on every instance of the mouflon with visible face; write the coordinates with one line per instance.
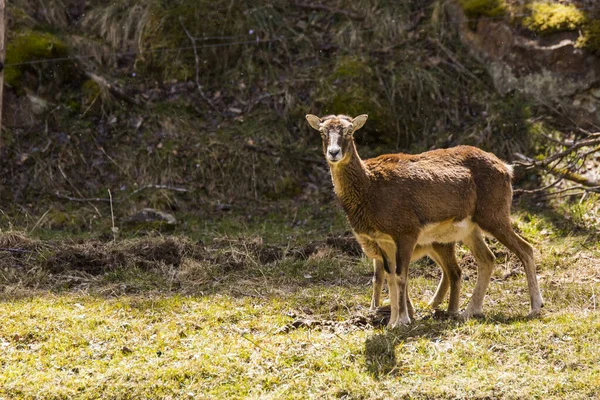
(402, 206)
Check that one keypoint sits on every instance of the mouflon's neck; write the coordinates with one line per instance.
(350, 180)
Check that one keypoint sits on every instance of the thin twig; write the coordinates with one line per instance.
(197, 59)
(75, 188)
(14, 250)
(550, 138)
(457, 64)
(574, 146)
(80, 199)
(322, 7)
(40, 220)
(112, 217)
(90, 106)
(162, 187)
(112, 160)
(592, 151)
(256, 344)
(539, 190)
(556, 196)
(569, 189)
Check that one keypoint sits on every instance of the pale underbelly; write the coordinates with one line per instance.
(440, 232)
(446, 231)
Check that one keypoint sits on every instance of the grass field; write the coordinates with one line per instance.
(246, 318)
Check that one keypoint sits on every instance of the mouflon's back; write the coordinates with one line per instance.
(442, 184)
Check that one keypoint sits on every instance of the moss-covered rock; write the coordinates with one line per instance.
(150, 219)
(548, 17)
(590, 39)
(483, 8)
(29, 46)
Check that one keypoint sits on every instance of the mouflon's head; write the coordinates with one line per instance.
(336, 131)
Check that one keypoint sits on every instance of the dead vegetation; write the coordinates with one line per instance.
(38, 263)
(131, 114)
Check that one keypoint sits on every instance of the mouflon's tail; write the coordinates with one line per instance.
(511, 170)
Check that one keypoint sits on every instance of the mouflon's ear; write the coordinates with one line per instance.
(359, 122)
(314, 121)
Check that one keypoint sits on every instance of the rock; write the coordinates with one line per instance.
(149, 218)
(548, 68)
(38, 105)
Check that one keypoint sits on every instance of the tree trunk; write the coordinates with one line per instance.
(2, 56)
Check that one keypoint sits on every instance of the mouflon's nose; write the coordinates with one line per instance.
(334, 152)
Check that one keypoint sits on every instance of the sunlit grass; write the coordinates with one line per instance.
(228, 332)
(228, 346)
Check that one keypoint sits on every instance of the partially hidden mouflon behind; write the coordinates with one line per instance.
(403, 206)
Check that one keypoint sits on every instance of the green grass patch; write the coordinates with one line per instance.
(221, 321)
(224, 345)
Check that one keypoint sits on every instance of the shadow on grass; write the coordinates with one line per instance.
(380, 348)
(556, 219)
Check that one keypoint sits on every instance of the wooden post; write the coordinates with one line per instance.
(2, 57)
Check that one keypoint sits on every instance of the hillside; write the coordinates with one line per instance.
(126, 106)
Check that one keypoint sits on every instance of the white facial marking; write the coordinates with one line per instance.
(334, 152)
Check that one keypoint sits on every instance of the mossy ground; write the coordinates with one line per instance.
(222, 325)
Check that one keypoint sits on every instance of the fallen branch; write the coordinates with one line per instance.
(108, 200)
(111, 87)
(563, 173)
(574, 177)
(564, 165)
(542, 193)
